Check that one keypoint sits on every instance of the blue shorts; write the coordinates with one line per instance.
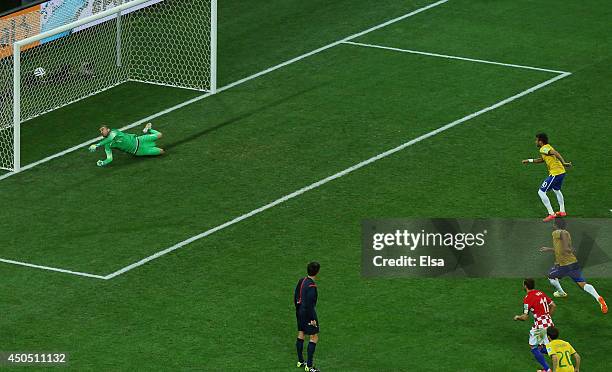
(553, 182)
(571, 270)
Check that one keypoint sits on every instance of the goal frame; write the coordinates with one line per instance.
(117, 13)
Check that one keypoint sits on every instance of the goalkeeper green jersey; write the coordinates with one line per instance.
(116, 139)
(121, 141)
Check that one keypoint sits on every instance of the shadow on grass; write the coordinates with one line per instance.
(240, 117)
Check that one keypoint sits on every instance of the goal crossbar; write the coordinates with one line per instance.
(69, 26)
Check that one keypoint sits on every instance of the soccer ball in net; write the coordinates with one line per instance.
(39, 72)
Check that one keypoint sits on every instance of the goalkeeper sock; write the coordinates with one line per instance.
(555, 283)
(546, 202)
(539, 357)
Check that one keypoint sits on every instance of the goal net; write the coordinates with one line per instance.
(63, 51)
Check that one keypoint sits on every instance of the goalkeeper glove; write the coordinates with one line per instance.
(93, 148)
(100, 163)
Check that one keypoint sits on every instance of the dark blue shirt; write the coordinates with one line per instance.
(305, 298)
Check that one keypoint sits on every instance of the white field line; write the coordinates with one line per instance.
(52, 269)
(189, 102)
(333, 177)
(231, 85)
(454, 57)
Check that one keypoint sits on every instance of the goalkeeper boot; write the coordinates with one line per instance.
(312, 369)
(147, 127)
(301, 364)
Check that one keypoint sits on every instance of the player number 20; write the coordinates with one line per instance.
(563, 356)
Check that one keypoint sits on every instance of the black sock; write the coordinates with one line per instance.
(299, 345)
(310, 351)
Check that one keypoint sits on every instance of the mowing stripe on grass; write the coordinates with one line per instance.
(332, 177)
(454, 57)
(231, 85)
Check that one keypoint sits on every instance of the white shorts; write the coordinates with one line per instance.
(538, 337)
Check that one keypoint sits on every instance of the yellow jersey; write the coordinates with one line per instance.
(564, 351)
(554, 165)
(562, 257)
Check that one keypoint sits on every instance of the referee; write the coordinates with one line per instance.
(305, 300)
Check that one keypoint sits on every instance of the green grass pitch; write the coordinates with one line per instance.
(223, 303)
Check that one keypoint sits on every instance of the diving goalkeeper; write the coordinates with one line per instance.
(143, 145)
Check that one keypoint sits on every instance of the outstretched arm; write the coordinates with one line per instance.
(105, 142)
(109, 156)
(538, 160)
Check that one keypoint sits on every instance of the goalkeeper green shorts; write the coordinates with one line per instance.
(146, 146)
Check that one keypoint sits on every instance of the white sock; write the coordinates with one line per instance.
(560, 200)
(546, 201)
(555, 283)
(591, 290)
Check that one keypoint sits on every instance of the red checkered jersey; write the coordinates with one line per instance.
(538, 303)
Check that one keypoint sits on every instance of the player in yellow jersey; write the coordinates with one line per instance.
(561, 353)
(556, 173)
(566, 264)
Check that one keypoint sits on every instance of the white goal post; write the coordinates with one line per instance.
(164, 42)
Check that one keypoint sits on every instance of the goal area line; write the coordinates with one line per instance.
(560, 75)
(375, 46)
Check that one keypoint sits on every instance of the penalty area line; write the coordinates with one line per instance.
(48, 268)
(333, 177)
